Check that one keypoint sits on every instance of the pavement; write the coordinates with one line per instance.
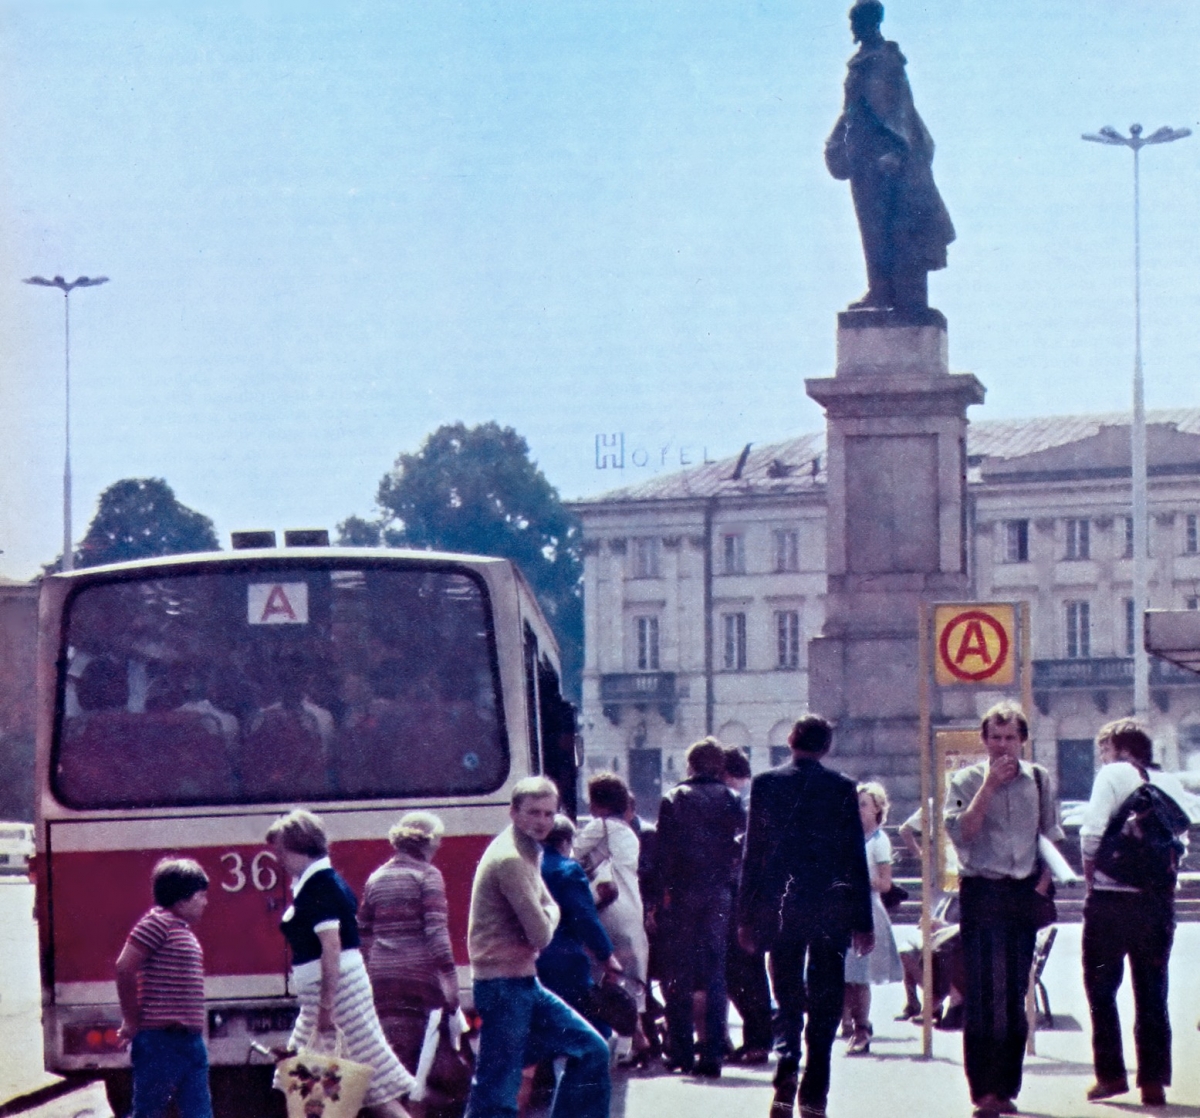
(893, 1081)
(896, 1081)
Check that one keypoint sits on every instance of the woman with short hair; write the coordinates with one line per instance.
(882, 964)
(405, 937)
(328, 973)
(608, 848)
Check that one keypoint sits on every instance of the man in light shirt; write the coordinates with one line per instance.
(1121, 919)
(995, 812)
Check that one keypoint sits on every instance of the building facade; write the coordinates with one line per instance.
(703, 588)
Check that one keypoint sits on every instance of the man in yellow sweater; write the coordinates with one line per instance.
(512, 920)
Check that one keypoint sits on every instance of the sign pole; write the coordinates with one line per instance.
(1027, 706)
(1026, 667)
(923, 732)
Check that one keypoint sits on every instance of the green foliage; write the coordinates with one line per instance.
(354, 531)
(138, 518)
(476, 490)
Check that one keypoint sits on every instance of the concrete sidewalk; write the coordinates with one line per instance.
(894, 1080)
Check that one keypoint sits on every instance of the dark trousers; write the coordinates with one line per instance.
(808, 971)
(997, 942)
(1142, 926)
(695, 961)
(746, 977)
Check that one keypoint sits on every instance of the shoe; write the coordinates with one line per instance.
(809, 1110)
(787, 1083)
(636, 1060)
(684, 1067)
(910, 1011)
(991, 1106)
(952, 1019)
(708, 1069)
(751, 1057)
(1107, 1089)
(860, 1044)
(1153, 1095)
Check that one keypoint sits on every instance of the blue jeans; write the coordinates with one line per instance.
(170, 1064)
(523, 1024)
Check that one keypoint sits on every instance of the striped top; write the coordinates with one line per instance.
(171, 982)
(403, 923)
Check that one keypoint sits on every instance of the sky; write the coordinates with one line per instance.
(330, 228)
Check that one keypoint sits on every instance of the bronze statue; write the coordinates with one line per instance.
(882, 146)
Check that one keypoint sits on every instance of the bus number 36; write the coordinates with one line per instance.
(263, 875)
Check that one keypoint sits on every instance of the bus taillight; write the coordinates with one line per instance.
(93, 1039)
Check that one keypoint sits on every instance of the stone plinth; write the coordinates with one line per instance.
(896, 531)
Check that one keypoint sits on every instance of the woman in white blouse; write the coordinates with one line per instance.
(608, 848)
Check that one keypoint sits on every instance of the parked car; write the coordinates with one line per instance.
(16, 847)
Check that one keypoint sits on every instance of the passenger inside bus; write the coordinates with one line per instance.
(387, 689)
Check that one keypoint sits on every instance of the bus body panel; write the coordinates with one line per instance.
(93, 867)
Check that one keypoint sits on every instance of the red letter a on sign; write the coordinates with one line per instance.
(973, 644)
(277, 605)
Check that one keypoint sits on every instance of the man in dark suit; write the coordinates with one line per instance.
(805, 896)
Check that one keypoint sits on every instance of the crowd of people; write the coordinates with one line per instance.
(706, 904)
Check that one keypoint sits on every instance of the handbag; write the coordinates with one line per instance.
(445, 1066)
(597, 864)
(1042, 910)
(894, 897)
(323, 1084)
(613, 1003)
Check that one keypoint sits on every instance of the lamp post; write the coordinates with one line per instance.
(1135, 141)
(68, 556)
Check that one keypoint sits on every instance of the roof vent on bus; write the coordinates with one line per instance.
(240, 541)
(306, 537)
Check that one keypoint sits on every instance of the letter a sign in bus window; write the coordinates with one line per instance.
(277, 603)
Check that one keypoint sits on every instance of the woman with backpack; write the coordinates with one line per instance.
(1133, 834)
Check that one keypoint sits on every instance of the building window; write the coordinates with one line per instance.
(647, 644)
(1130, 627)
(734, 625)
(734, 544)
(1129, 537)
(1193, 603)
(1079, 630)
(787, 550)
(1191, 538)
(1079, 542)
(645, 557)
(1016, 541)
(787, 639)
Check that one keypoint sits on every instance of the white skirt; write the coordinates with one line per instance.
(354, 1014)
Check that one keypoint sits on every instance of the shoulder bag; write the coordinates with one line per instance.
(597, 864)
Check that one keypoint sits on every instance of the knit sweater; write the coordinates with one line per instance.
(513, 916)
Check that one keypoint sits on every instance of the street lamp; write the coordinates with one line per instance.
(1135, 141)
(68, 557)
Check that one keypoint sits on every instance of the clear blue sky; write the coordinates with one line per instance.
(330, 228)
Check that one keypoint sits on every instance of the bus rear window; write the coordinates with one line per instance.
(278, 685)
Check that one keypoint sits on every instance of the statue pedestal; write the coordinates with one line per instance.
(896, 531)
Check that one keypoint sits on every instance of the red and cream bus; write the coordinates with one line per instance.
(185, 702)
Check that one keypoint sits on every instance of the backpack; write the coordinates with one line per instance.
(1141, 845)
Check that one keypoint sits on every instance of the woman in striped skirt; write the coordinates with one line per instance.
(328, 973)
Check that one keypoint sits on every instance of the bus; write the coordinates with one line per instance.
(185, 702)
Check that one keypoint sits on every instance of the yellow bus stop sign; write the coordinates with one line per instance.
(974, 644)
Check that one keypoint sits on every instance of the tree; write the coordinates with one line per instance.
(476, 490)
(140, 517)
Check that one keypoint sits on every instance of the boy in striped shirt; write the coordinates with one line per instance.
(160, 984)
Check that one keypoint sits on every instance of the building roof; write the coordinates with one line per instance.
(798, 465)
